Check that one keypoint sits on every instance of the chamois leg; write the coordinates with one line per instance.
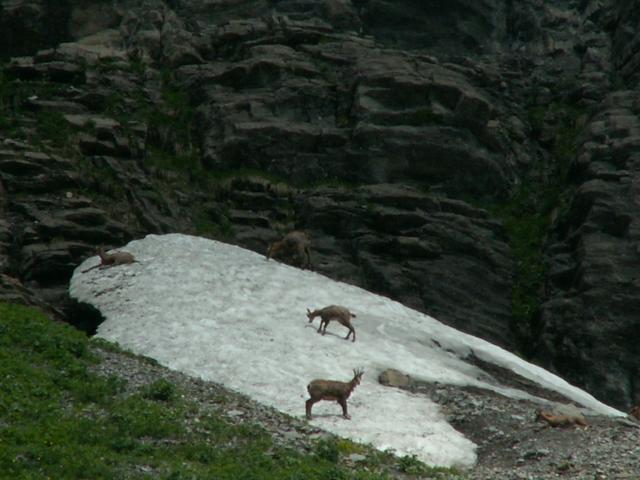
(300, 259)
(308, 404)
(326, 324)
(308, 255)
(343, 404)
(351, 331)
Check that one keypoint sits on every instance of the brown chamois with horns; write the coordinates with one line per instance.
(561, 420)
(333, 312)
(296, 245)
(112, 259)
(332, 390)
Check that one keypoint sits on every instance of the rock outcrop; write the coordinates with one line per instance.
(477, 164)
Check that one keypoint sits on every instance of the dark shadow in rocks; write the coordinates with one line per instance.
(505, 377)
(83, 316)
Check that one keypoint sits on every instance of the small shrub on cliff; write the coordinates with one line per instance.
(527, 215)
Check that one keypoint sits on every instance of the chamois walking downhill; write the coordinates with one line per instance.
(333, 312)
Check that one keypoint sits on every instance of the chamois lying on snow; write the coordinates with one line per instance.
(333, 312)
(332, 390)
(561, 420)
(112, 259)
(296, 245)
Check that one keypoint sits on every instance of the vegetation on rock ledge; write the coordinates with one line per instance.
(527, 217)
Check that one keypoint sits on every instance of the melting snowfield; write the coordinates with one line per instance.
(228, 315)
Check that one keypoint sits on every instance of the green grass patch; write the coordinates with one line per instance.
(59, 420)
(162, 390)
(412, 466)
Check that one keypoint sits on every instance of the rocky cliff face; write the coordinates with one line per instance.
(473, 160)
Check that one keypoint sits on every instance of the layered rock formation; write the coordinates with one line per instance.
(473, 160)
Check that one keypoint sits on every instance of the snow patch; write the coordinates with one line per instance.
(226, 314)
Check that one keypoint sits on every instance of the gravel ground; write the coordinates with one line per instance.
(511, 443)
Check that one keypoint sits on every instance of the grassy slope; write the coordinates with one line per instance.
(59, 420)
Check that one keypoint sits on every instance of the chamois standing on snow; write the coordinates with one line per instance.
(296, 245)
(332, 390)
(333, 312)
(112, 259)
(635, 412)
(561, 420)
